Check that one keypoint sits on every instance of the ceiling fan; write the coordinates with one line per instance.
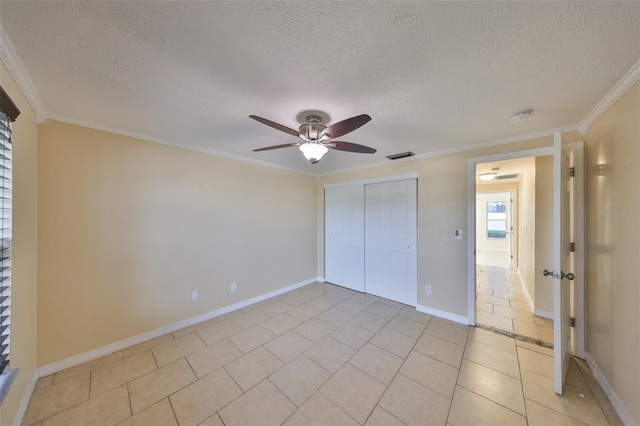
(317, 137)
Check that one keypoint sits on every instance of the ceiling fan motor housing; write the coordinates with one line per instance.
(312, 129)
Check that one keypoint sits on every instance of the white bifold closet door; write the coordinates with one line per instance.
(344, 236)
(371, 238)
(390, 240)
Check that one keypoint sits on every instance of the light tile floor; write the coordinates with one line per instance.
(322, 355)
(501, 303)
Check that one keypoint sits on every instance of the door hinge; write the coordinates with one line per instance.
(572, 246)
(572, 171)
(572, 322)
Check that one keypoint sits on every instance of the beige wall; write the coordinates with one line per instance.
(24, 251)
(527, 227)
(127, 229)
(442, 208)
(544, 232)
(613, 244)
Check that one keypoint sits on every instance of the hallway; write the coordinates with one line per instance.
(501, 303)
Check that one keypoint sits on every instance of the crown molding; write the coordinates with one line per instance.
(465, 148)
(15, 67)
(203, 150)
(625, 83)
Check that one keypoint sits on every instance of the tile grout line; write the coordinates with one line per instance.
(464, 349)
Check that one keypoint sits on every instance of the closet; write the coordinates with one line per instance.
(371, 237)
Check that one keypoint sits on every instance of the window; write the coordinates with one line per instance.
(8, 113)
(496, 219)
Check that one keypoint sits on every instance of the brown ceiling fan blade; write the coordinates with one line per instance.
(351, 147)
(275, 125)
(345, 126)
(267, 148)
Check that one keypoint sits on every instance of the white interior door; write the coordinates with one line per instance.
(344, 236)
(391, 240)
(563, 262)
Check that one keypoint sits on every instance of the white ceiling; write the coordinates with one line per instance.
(433, 76)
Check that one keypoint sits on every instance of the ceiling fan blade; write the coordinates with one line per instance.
(351, 147)
(345, 126)
(276, 125)
(286, 145)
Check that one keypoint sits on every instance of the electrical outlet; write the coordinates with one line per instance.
(427, 289)
(195, 295)
(234, 286)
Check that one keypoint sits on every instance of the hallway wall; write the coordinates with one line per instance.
(612, 148)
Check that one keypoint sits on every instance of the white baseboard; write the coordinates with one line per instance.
(608, 390)
(118, 346)
(320, 279)
(543, 314)
(443, 314)
(22, 408)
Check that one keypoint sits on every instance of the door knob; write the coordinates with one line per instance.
(561, 275)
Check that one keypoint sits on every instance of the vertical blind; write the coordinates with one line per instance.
(5, 238)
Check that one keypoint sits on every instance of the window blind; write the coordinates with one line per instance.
(5, 238)
(8, 113)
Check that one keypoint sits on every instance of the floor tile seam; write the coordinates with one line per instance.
(53, 383)
(524, 399)
(313, 393)
(595, 393)
(268, 378)
(130, 403)
(556, 411)
(369, 375)
(495, 347)
(497, 403)
(507, 374)
(40, 420)
(498, 371)
(386, 388)
(79, 404)
(464, 349)
(439, 337)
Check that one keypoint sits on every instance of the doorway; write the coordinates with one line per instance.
(513, 214)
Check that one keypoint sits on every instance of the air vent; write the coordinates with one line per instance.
(400, 155)
(513, 176)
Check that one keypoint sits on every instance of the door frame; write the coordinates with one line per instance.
(471, 185)
(578, 147)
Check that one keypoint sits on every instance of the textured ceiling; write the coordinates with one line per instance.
(433, 76)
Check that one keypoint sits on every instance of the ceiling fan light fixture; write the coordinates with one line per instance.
(313, 151)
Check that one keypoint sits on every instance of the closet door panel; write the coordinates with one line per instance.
(344, 236)
(391, 240)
